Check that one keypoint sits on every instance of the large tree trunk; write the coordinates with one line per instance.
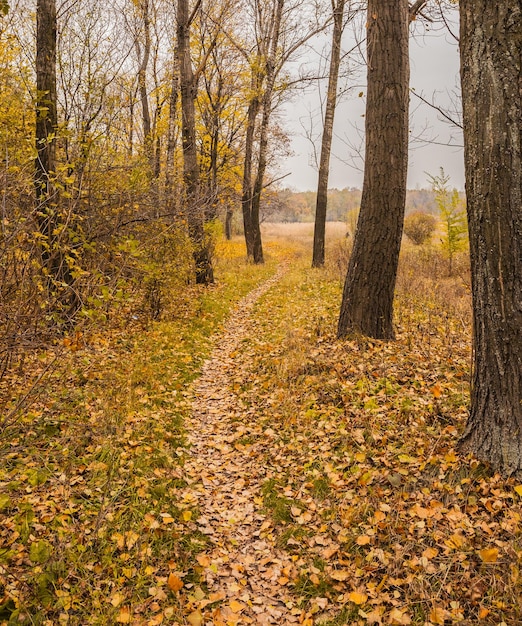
(491, 71)
(194, 209)
(47, 197)
(326, 142)
(46, 116)
(367, 304)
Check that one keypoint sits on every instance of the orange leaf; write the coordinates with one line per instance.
(174, 582)
(362, 540)
(124, 616)
(438, 615)
(203, 560)
(357, 597)
(436, 391)
(236, 606)
(489, 555)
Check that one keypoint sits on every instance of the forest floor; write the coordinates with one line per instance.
(234, 463)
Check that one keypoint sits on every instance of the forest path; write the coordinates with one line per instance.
(244, 571)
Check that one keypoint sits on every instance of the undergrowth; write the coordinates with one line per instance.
(92, 523)
(385, 523)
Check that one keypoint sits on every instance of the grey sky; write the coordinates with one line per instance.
(434, 75)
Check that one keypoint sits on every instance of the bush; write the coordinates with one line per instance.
(419, 227)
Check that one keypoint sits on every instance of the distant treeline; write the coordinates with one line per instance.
(299, 206)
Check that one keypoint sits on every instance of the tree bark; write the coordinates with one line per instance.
(171, 141)
(326, 142)
(367, 303)
(491, 78)
(46, 115)
(247, 192)
(142, 83)
(47, 197)
(194, 208)
(270, 70)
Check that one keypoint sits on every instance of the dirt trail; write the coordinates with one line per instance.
(244, 568)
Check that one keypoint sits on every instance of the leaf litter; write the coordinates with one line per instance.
(317, 481)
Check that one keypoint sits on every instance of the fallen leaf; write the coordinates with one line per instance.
(236, 606)
(124, 616)
(174, 582)
(438, 615)
(398, 616)
(362, 540)
(357, 597)
(195, 618)
(489, 555)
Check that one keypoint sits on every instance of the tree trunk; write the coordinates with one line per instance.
(246, 197)
(142, 84)
(326, 142)
(194, 208)
(171, 141)
(270, 69)
(46, 125)
(367, 303)
(491, 70)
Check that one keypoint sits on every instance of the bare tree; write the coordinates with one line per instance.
(279, 31)
(491, 70)
(326, 141)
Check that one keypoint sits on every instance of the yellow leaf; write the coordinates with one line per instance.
(489, 555)
(456, 541)
(399, 617)
(117, 599)
(340, 575)
(357, 597)
(362, 540)
(518, 490)
(195, 618)
(187, 516)
(174, 582)
(203, 560)
(360, 457)
(124, 616)
(430, 553)
(438, 615)
(236, 606)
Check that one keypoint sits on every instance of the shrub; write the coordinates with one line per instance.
(419, 227)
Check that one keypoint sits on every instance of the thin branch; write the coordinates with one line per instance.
(444, 113)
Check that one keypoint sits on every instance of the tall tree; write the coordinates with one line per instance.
(280, 33)
(46, 126)
(193, 202)
(367, 303)
(491, 70)
(326, 141)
